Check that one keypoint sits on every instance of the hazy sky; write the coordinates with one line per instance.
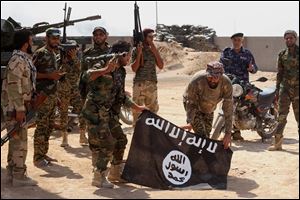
(252, 18)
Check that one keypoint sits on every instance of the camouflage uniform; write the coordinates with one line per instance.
(200, 101)
(115, 126)
(17, 91)
(288, 86)
(45, 62)
(90, 52)
(68, 91)
(68, 94)
(145, 83)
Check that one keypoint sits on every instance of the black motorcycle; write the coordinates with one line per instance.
(254, 109)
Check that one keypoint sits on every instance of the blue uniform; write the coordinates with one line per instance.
(237, 63)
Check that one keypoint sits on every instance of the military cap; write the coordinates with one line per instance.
(102, 29)
(53, 32)
(237, 35)
(292, 32)
(215, 69)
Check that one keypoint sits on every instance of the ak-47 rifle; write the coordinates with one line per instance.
(39, 99)
(137, 32)
(105, 57)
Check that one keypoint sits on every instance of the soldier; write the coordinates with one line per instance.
(106, 140)
(239, 61)
(47, 76)
(144, 60)
(287, 85)
(17, 92)
(100, 47)
(68, 91)
(201, 97)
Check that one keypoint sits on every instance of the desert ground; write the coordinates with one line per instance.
(255, 172)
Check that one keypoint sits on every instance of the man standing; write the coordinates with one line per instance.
(238, 61)
(68, 91)
(17, 93)
(287, 85)
(144, 60)
(105, 139)
(100, 47)
(47, 76)
(201, 97)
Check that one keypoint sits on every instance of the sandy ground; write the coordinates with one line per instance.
(255, 172)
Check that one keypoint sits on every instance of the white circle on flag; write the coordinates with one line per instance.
(177, 168)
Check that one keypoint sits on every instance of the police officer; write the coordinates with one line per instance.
(239, 61)
(16, 97)
(287, 85)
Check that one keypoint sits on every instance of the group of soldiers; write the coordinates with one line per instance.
(96, 89)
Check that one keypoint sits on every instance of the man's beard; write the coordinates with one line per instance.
(29, 49)
(99, 43)
(53, 46)
(213, 85)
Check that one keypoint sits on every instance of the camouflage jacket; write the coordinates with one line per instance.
(45, 62)
(90, 52)
(199, 96)
(107, 90)
(147, 72)
(19, 84)
(72, 69)
(121, 98)
(288, 68)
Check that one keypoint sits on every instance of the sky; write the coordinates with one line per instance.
(257, 18)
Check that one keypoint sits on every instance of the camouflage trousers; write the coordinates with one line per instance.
(82, 120)
(17, 150)
(145, 93)
(121, 140)
(107, 140)
(68, 97)
(44, 122)
(202, 123)
(287, 96)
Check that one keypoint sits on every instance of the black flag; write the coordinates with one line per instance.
(165, 156)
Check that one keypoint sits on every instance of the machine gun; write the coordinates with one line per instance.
(65, 45)
(10, 26)
(137, 32)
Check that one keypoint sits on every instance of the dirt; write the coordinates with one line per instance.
(255, 172)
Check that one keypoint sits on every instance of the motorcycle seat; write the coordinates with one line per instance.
(267, 95)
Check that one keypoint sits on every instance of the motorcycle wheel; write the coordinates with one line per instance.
(218, 127)
(126, 115)
(266, 131)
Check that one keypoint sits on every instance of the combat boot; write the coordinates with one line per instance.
(277, 146)
(115, 173)
(100, 180)
(21, 179)
(65, 139)
(82, 138)
(237, 136)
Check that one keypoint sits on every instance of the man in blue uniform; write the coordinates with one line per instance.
(238, 61)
